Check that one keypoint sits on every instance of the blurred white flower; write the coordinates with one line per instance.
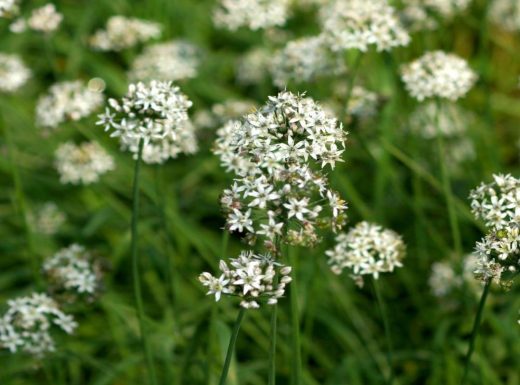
(252, 278)
(122, 32)
(362, 102)
(28, 323)
(445, 278)
(506, 14)
(18, 26)
(48, 218)
(438, 74)
(253, 66)
(8, 8)
(45, 19)
(82, 164)
(252, 14)
(13, 73)
(69, 100)
(174, 60)
(367, 249)
(357, 24)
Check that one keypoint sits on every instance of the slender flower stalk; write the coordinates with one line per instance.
(231, 346)
(272, 346)
(388, 335)
(296, 375)
(475, 330)
(135, 270)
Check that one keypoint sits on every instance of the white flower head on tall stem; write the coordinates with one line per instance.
(252, 14)
(253, 278)
(13, 73)
(438, 74)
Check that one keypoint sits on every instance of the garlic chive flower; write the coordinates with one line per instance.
(69, 100)
(73, 272)
(253, 278)
(358, 24)
(505, 14)
(45, 19)
(9, 8)
(446, 279)
(277, 154)
(13, 73)
(174, 60)
(28, 323)
(83, 163)
(367, 249)
(253, 67)
(438, 74)
(252, 14)
(122, 32)
(304, 60)
(47, 219)
(157, 113)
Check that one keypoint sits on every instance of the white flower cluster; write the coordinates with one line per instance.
(82, 164)
(48, 219)
(8, 8)
(253, 14)
(45, 19)
(122, 32)
(221, 113)
(416, 17)
(155, 112)
(13, 73)
(362, 102)
(72, 270)
(498, 202)
(359, 23)
(367, 249)
(68, 100)
(253, 66)
(304, 60)
(174, 60)
(28, 322)
(275, 153)
(438, 74)
(445, 279)
(506, 14)
(250, 277)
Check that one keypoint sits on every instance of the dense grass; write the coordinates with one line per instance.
(390, 177)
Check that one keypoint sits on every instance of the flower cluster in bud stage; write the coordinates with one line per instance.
(438, 74)
(83, 163)
(252, 278)
(304, 60)
(13, 73)
(28, 323)
(73, 272)
(157, 114)
(122, 32)
(498, 204)
(367, 249)
(358, 24)
(47, 219)
(252, 14)
(506, 14)
(276, 154)
(170, 61)
(69, 100)
(8, 8)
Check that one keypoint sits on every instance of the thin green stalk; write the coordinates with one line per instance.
(350, 85)
(388, 336)
(231, 346)
(446, 186)
(272, 346)
(296, 358)
(474, 332)
(152, 378)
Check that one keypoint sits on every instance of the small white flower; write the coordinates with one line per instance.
(123, 32)
(45, 19)
(13, 73)
(253, 14)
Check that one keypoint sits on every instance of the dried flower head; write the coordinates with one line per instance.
(73, 273)
(252, 14)
(438, 74)
(304, 60)
(155, 112)
(69, 100)
(358, 24)
(276, 154)
(45, 19)
(497, 203)
(506, 14)
(47, 219)
(13, 73)
(367, 249)
(28, 323)
(252, 278)
(174, 60)
(82, 164)
(122, 32)
(9, 8)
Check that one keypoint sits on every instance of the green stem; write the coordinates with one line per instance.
(296, 359)
(231, 346)
(350, 85)
(272, 346)
(135, 270)
(388, 336)
(474, 332)
(446, 186)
